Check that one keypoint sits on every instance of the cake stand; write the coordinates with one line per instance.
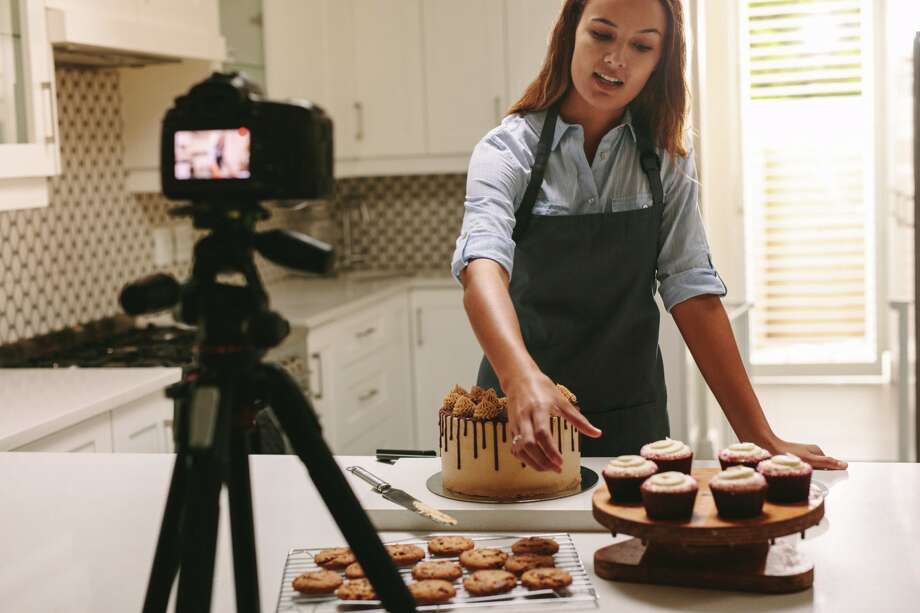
(707, 551)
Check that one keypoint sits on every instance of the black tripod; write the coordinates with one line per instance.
(216, 403)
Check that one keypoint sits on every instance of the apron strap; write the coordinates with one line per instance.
(525, 211)
(648, 159)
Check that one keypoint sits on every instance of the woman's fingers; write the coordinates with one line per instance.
(548, 446)
(578, 420)
(527, 448)
(823, 462)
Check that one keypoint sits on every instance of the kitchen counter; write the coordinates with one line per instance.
(314, 301)
(79, 532)
(35, 402)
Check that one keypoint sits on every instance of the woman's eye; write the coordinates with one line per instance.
(642, 48)
(600, 35)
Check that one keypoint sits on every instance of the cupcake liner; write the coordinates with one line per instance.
(739, 504)
(667, 505)
(788, 488)
(624, 489)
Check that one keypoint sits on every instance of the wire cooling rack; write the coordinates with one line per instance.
(579, 595)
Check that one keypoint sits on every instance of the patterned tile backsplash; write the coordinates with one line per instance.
(65, 264)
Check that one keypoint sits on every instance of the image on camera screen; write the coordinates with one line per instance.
(212, 154)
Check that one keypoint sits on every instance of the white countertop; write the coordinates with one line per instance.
(35, 402)
(313, 301)
(79, 532)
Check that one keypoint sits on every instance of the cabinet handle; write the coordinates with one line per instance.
(319, 376)
(418, 326)
(367, 332)
(498, 109)
(359, 111)
(368, 395)
(46, 87)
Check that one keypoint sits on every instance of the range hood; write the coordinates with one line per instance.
(101, 41)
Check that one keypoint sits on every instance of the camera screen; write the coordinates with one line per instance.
(212, 154)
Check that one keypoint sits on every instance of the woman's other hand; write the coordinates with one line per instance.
(808, 453)
(531, 401)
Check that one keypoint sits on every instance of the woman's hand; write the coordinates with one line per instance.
(531, 401)
(808, 453)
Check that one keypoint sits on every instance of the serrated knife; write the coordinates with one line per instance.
(401, 498)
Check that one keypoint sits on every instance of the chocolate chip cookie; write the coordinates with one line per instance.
(517, 564)
(317, 582)
(357, 589)
(432, 591)
(444, 570)
(449, 545)
(489, 582)
(546, 578)
(338, 557)
(483, 559)
(535, 544)
(354, 571)
(404, 555)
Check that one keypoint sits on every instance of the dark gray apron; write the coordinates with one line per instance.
(583, 289)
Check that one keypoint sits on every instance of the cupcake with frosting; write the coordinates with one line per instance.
(624, 474)
(788, 478)
(669, 454)
(743, 454)
(738, 492)
(669, 495)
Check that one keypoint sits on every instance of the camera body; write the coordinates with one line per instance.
(222, 143)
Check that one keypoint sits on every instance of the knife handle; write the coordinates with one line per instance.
(380, 486)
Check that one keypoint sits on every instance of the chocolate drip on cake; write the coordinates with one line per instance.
(559, 435)
(465, 424)
(504, 433)
(451, 430)
(484, 435)
(475, 448)
(552, 425)
(494, 441)
(572, 437)
(458, 445)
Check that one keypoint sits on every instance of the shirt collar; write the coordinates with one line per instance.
(562, 126)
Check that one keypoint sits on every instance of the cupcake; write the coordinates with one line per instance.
(788, 478)
(743, 454)
(738, 492)
(668, 455)
(624, 474)
(669, 495)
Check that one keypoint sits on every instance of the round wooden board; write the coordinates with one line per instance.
(705, 527)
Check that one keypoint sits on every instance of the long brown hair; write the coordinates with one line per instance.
(662, 103)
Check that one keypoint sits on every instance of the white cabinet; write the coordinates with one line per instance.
(465, 88)
(528, 25)
(29, 147)
(360, 61)
(144, 426)
(445, 352)
(92, 435)
(360, 380)
(173, 29)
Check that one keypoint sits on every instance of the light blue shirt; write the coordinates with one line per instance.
(500, 170)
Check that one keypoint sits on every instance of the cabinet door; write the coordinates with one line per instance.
(529, 24)
(143, 426)
(181, 14)
(387, 76)
(321, 358)
(28, 109)
(92, 435)
(464, 72)
(444, 352)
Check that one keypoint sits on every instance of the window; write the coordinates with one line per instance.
(808, 148)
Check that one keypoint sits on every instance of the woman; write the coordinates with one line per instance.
(581, 200)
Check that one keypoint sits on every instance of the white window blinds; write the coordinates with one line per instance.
(808, 152)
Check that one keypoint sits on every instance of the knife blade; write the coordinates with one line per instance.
(403, 499)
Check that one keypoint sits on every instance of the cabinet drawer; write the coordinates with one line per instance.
(370, 331)
(92, 435)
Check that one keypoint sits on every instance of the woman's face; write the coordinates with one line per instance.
(618, 44)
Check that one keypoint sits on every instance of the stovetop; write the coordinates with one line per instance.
(138, 347)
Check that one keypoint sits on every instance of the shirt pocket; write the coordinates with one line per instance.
(632, 202)
(551, 208)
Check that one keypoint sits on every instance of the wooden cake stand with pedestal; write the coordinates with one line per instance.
(707, 551)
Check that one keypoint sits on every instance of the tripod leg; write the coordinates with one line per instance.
(199, 542)
(299, 421)
(166, 558)
(245, 569)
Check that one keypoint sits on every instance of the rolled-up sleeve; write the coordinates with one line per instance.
(685, 265)
(498, 174)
